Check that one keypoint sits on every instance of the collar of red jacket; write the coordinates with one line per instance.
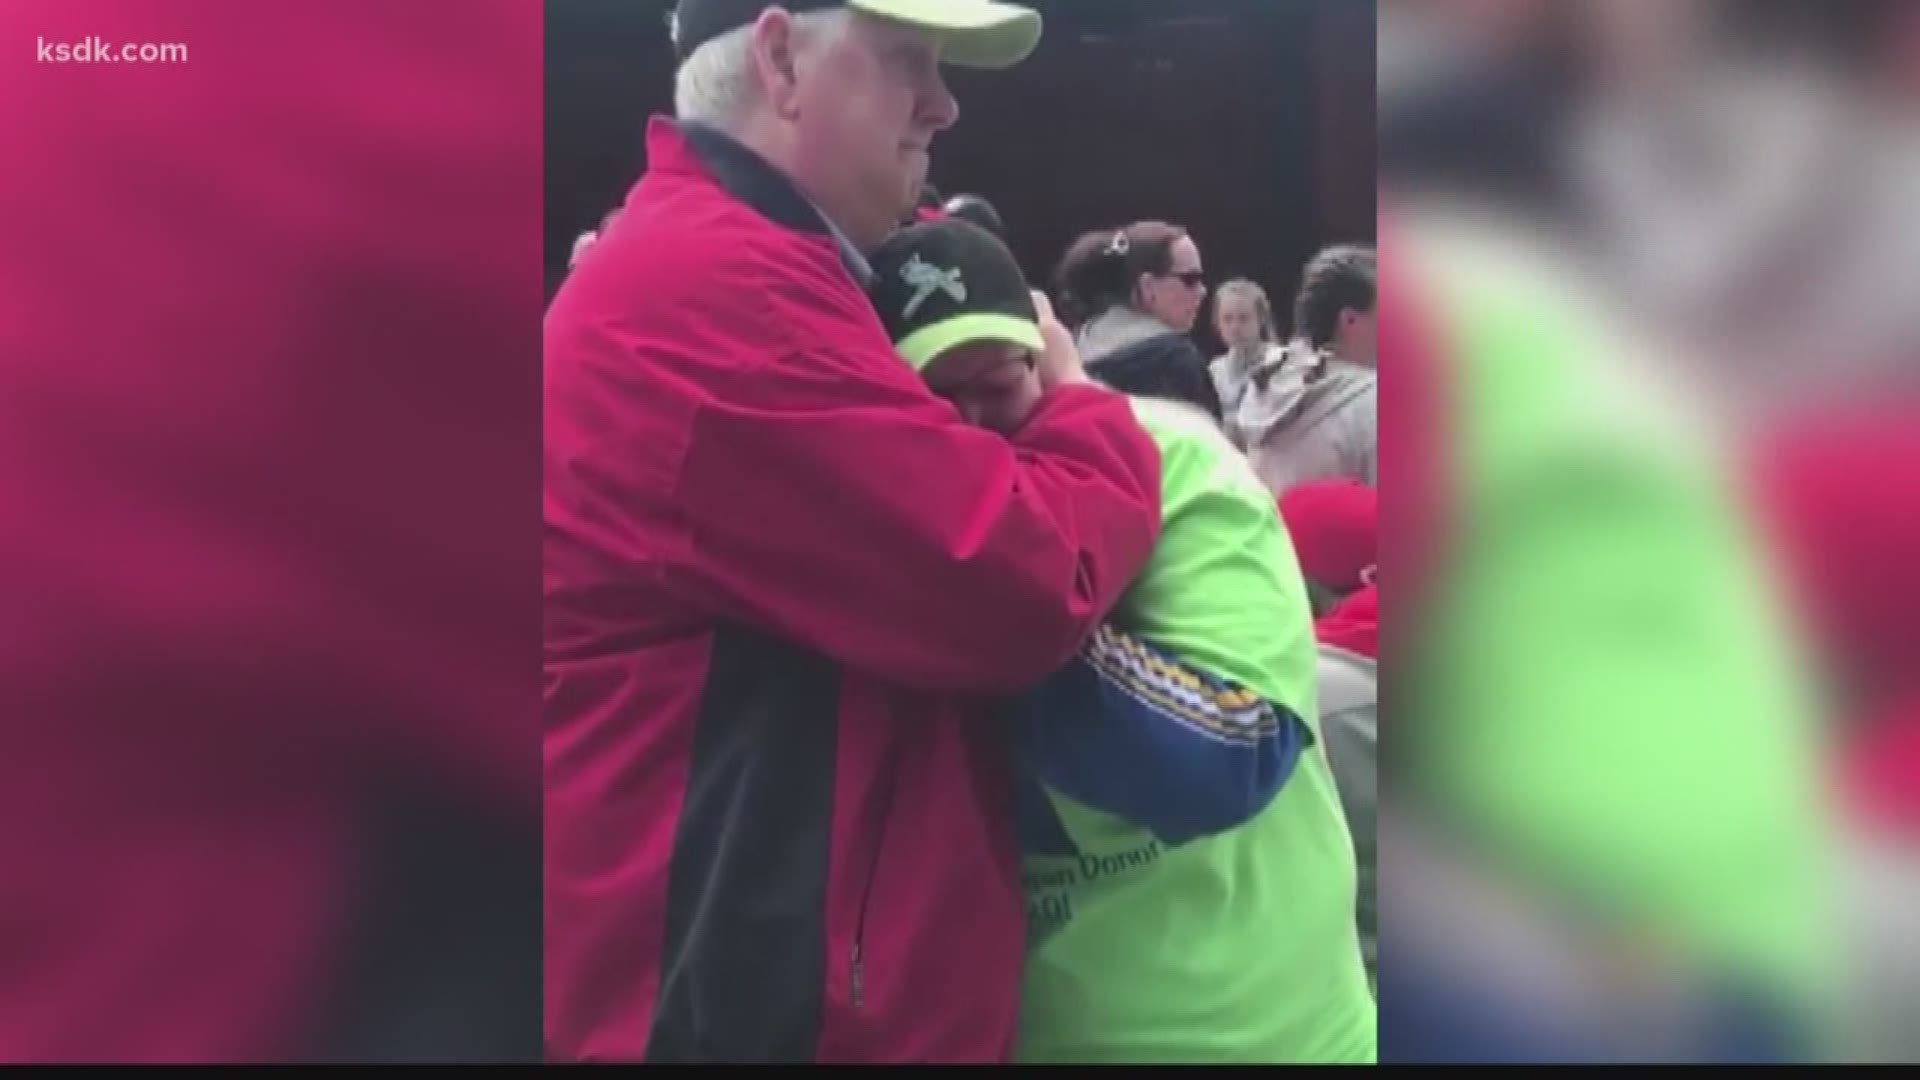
(687, 148)
(1354, 625)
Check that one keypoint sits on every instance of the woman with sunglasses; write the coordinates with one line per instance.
(1132, 294)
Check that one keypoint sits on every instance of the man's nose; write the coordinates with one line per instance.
(939, 109)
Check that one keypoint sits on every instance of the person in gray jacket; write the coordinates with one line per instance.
(1311, 412)
(1349, 686)
(1334, 526)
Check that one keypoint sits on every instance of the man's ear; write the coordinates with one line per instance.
(774, 63)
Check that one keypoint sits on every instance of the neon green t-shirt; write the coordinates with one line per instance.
(1239, 947)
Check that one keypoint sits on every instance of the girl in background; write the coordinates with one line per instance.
(1243, 317)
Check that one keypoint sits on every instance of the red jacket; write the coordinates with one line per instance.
(781, 578)
(1353, 624)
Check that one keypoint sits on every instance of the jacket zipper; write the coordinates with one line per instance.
(856, 972)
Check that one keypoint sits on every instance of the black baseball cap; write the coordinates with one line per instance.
(977, 209)
(949, 282)
(976, 33)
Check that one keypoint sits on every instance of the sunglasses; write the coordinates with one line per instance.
(1192, 279)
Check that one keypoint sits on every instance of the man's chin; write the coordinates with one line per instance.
(918, 165)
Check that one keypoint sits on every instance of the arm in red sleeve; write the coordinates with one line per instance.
(859, 515)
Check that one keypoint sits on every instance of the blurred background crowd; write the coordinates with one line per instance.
(1656, 736)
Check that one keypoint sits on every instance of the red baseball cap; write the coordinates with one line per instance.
(1335, 529)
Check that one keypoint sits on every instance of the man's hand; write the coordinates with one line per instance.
(1059, 363)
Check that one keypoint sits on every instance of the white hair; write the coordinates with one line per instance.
(580, 245)
(716, 86)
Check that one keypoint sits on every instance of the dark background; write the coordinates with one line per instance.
(1251, 122)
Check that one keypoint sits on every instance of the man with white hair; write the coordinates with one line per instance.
(784, 582)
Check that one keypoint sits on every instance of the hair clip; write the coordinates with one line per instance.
(1119, 244)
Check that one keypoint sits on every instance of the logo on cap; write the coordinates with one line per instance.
(927, 279)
